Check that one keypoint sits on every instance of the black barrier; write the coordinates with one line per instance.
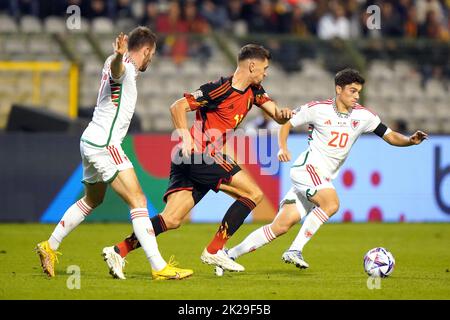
(37, 119)
(31, 175)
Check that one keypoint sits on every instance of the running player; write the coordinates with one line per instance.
(336, 124)
(104, 161)
(219, 106)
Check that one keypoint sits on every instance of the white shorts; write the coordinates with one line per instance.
(306, 181)
(102, 164)
(304, 206)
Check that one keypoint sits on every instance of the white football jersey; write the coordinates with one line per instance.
(115, 107)
(332, 134)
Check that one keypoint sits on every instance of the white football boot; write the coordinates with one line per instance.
(221, 260)
(295, 257)
(115, 262)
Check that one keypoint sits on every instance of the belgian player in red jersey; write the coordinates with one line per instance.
(200, 165)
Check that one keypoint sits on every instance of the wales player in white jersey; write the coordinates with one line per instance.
(104, 161)
(336, 124)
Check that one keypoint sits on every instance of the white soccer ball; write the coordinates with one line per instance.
(379, 262)
(218, 271)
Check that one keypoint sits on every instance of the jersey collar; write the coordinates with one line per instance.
(341, 114)
(237, 90)
(134, 64)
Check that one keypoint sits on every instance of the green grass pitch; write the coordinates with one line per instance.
(335, 256)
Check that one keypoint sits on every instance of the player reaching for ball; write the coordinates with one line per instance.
(335, 125)
(104, 161)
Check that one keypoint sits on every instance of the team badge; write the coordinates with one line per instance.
(197, 94)
(355, 124)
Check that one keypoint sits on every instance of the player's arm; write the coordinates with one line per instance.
(300, 116)
(281, 116)
(120, 48)
(283, 154)
(178, 112)
(397, 139)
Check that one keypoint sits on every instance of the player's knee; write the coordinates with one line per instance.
(279, 228)
(171, 222)
(331, 208)
(93, 202)
(256, 196)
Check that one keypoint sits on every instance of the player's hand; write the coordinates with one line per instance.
(121, 44)
(418, 137)
(285, 114)
(187, 146)
(284, 155)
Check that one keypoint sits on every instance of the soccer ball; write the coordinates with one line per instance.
(379, 262)
(218, 271)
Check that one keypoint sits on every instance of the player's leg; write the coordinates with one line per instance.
(180, 198)
(248, 195)
(326, 204)
(287, 217)
(179, 204)
(94, 195)
(127, 186)
(319, 198)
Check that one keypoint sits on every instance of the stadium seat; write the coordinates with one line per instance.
(167, 68)
(30, 24)
(402, 69)
(443, 124)
(150, 86)
(43, 45)
(380, 70)
(102, 25)
(191, 67)
(162, 123)
(105, 43)
(214, 70)
(85, 26)
(16, 45)
(92, 66)
(7, 24)
(435, 90)
(81, 46)
(125, 25)
(54, 24)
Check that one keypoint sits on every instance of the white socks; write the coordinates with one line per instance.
(312, 223)
(254, 240)
(264, 235)
(71, 219)
(143, 229)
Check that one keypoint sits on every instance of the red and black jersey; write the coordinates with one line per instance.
(220, 107)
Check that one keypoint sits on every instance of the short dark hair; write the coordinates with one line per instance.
(348, 76)
(253, 51)
(139, 37)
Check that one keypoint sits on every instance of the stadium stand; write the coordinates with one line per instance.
(407, 75)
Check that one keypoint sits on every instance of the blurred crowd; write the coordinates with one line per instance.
(176, 21)
(321, 18)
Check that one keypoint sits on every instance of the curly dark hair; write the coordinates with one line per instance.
(348, 76)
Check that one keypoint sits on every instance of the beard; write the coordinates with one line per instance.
(145, 66)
